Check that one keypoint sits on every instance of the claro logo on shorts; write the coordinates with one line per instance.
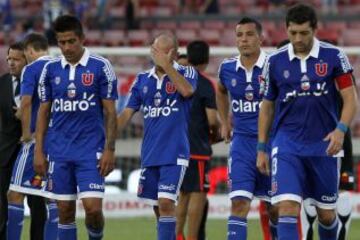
(61, 105)
(96, 186)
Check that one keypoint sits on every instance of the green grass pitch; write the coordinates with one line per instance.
(144, 229)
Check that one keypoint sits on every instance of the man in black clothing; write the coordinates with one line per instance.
(10, 133)
(203, 127)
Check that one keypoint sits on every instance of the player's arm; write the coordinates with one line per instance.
(350, 101)
(25, 106)
(266, 116)
(183, 86)
(124, 118)
(214, 124)
(107, 162)
(40, 163)
(222, 102)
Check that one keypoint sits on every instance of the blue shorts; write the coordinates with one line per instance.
(160, 182)
(72, 179)
(24, 179)
(244, 178)
(298, 177)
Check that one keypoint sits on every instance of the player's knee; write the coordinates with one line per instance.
(240, 207)
(273, 212)
(15, 197)
(66, 212)
(288, 208)
(166, 207)
(326, 216)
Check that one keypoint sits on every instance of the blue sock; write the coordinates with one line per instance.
(273, 230)
(166, 228)
(15, 221)
(237, 228)
(287, 228)
(94, 234)
(328, 232)
(67, 231)
(51, 224)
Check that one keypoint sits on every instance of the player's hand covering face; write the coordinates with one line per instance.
(248, 39)
(301, 37)
(71, 46)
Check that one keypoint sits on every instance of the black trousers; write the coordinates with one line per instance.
(36, 204)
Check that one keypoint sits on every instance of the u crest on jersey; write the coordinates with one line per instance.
(87, 79)
(321, 69)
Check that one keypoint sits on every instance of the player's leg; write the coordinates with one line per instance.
(91, 187)
(52, 220)
(308, 217)
(15, 214)
(202, 228)
(170, 180)
(343, 207)
(195, 213)
(62, 187)
(324, 176)
(287, 178)
(181, 213)
(20, 180)
(67, 224)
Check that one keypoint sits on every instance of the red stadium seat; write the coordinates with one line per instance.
(351, 37)
(212, 37)
(196, 25)
(214, 24)
(327, 34)
(161, 11)
(93, 37)
(138, 37)
(185, 36)
(114, 38)
(338, 26)
(168, 25)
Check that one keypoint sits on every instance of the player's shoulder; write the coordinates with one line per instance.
(279, 53)
(229, 63)
(39, 63)
(328, 48)
(53, 62)
(99, 59)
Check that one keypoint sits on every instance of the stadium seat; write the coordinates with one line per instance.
(214, 24)
(133, 181)
(93, 37)
(138, 37)
(351, 37)
(338, 26)
(168, 25)
(195, 25)
(161, 11)
(212, 37)
(327, 34)
(186, 36)
(114, 38)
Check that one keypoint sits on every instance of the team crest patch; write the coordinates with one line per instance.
(57, 80)
(233, 82)
(71, 90)
(249, 96)
(157, 99)
(87, 79)
(305, 83)
(274, 187)
(321, 69)
(170, 88)
(286, 74)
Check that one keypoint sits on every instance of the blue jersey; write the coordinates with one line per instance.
(245, 94)
(305, 95)
(29, 86)
(166, 115)
(76, 129)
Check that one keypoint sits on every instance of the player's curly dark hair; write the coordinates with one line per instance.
(68, 23)
(301, 13)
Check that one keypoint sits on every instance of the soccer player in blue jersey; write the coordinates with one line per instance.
(163, 95)
(24, 180)
(302, 81)
(240, 78)
(78, 93)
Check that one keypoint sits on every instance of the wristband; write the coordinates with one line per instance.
(342, 127)
(261, 147)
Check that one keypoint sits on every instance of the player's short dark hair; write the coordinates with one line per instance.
(198, 52)
(16, 46)
(246, 20)
(301, 13)
(181, 56)
(68, 23)
(37, 41)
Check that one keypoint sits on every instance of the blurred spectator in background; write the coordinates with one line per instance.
(199, 6)
(102, 20)
(329, 6)
(131, 13)
(6, 19)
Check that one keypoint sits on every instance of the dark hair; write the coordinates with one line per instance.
(301, 13)
(246, 20)
(16, 46)
(181, 56)
(68, 23)
(37, 41)
(198, 52)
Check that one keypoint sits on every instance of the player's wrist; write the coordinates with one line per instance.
(261, 147)
(342, 127)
